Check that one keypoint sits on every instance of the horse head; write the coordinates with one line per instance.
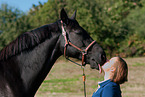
(76, 35)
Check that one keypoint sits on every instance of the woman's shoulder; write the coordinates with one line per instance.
(111, 90)
(112, 86)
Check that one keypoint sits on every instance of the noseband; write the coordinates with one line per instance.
(67, 42)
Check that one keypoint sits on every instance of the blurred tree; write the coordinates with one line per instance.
(103, 19)
(48, 13)
(106, 20)
(12, 23)
(134, 43)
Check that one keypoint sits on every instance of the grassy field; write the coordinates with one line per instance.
(65, 80)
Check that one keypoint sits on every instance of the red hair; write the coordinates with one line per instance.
(121, 72)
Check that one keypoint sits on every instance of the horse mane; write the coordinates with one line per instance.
(27, 40)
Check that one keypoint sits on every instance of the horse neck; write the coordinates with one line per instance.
(36, 63)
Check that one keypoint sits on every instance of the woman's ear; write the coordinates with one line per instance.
(112, 69)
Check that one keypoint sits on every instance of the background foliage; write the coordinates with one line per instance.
(117, 25)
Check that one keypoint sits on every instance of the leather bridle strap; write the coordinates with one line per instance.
(84, 52)
(67, 42)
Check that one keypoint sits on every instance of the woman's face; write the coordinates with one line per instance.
(107, 66)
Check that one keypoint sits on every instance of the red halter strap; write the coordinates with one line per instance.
(84, 52)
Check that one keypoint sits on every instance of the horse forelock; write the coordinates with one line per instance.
(27, 40)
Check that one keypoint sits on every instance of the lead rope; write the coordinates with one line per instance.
(84, 81)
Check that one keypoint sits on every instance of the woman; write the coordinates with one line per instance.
(116, 72)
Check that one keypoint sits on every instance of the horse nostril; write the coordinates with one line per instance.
(103, 58)
(93, 59)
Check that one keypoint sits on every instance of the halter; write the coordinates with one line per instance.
(67, 42)
(84, 52)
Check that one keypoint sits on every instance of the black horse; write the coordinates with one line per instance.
(26, 61)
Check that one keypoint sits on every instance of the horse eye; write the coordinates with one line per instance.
(79, 32)
(76, 31)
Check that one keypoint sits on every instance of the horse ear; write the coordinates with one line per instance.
(64, 16)
(74, 15)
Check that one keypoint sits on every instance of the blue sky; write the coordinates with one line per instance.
(23, 5)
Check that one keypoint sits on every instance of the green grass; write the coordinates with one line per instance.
(97, 79)
(138, 64)
(65, 80)
(60, 80)
(55, 85)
